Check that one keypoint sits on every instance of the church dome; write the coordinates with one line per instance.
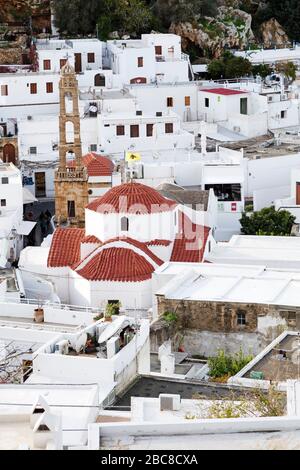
(132, 198)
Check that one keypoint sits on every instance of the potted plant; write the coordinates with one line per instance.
(109, 312)
(39, 313)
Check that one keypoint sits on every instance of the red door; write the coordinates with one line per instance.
(298, 194)
(9, 154)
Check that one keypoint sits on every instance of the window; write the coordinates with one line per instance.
(33, 88)
(244, 106)
(187, 101)
(91, 57)
(169, 102)
(93, 147)
(158, 50)
(49, 87)
(207, 102)
(120, 130)
(33, 150)
(4, 180)
(226, 192)
(124, 224)
(134, 130)
(62, 62)
(140, 61)
(241, 318)
(47, 64)
(169, 128)
(3, 202)
(149, 130)
(4, 90)
(283, 114)
(71, 209)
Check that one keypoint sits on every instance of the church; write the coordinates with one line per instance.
(106, 248)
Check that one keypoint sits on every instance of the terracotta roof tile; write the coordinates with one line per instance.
(91, 239)
(140, 245)
(132, 198)
(190, 242)
(117, 264)
(96, 165)
(65, 247)
(159, 243)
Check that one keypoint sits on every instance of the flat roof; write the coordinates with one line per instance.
(224, 91)
(273, 252)
(234, 285)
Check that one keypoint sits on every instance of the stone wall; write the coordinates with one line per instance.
(208, 326)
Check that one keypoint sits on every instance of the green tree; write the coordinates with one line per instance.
(173, 11)
(267, 221)
(132, 17)
(263, 70)
(289, 69)
(76, 17)
(229, 66)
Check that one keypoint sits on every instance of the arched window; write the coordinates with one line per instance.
(70, 136)
(124, 224)
(138, 80)
(68, 103)
(99, 80)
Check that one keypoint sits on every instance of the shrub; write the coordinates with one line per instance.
(227, 364)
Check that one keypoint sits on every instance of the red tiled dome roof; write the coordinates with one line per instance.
(96, 165)
(65, 247)
(132, 198)
(117, 264)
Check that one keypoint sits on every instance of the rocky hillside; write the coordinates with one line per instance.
(18, 11)
(230, 28)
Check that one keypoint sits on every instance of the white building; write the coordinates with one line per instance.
(273, 252)
(12, 226)
(292, 203)
(154, 57)
(129, 232)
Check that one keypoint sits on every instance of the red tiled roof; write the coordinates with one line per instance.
(132, 198)
(140, 245)
(159, 243)
(96, 165)
(65, 247)
(224, 91)
(189, 244)
(91, 239)
(117, 264)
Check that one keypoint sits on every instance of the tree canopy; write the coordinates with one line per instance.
(229, 66)
(267, 221)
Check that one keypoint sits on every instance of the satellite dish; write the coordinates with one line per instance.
(80, 342)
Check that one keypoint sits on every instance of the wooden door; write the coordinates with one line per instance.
(9, 154)
(297, 194)
(78, 64)
(40, 184)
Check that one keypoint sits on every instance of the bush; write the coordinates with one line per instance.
(267, 221)
(170, 317)
(227, 365)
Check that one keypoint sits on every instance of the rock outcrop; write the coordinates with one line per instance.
(273, 34)
(230, 29)
(15, 11)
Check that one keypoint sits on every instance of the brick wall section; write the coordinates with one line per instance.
(222, 317)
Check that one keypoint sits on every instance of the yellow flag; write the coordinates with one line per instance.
(133, 157)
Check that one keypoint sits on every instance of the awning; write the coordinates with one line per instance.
(25, 227)
(28, 197)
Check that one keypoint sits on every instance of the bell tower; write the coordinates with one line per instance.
(71, 182)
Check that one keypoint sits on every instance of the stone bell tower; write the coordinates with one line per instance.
(71, 181)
